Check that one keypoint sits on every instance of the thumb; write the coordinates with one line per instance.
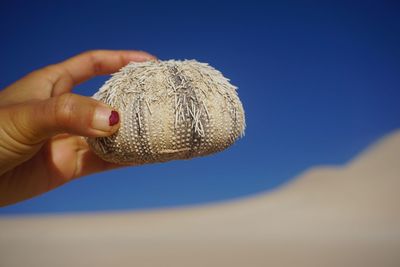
(68, 113)
(25, 127)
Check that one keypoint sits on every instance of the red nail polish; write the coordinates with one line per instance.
(114, 118)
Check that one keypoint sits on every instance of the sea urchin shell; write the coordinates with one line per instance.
(169, 110)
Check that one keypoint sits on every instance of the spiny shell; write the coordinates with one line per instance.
(169, 110)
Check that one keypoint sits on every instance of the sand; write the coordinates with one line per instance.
(328, 216)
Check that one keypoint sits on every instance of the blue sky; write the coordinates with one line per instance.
(319, 82)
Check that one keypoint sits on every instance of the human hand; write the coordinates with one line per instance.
(41, 124)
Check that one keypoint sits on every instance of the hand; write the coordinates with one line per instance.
(41, 124)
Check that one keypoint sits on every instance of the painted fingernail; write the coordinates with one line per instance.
(104, 118)
(114, 118)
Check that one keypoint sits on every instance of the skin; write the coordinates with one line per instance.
(42, 124)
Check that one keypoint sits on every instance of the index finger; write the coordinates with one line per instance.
(93, 63)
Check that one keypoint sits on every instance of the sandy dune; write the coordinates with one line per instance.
(347, 216)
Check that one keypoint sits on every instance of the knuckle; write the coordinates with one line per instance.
(63, 109)
(93, 57)
(48, 71)
(91, 52)
(96, 63)
(49, 74)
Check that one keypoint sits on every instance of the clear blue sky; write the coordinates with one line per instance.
(319, 83)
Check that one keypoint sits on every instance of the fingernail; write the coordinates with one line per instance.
(114, 118)
(104, 118)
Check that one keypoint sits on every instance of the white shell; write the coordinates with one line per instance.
(169, 110)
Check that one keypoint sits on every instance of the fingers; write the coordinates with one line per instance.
(34, 122)
(93, 63)
(60, 78)
(59, 161)
(100, 62)
(24, 129)
(88, 162)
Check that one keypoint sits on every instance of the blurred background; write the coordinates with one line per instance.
(319, 81)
